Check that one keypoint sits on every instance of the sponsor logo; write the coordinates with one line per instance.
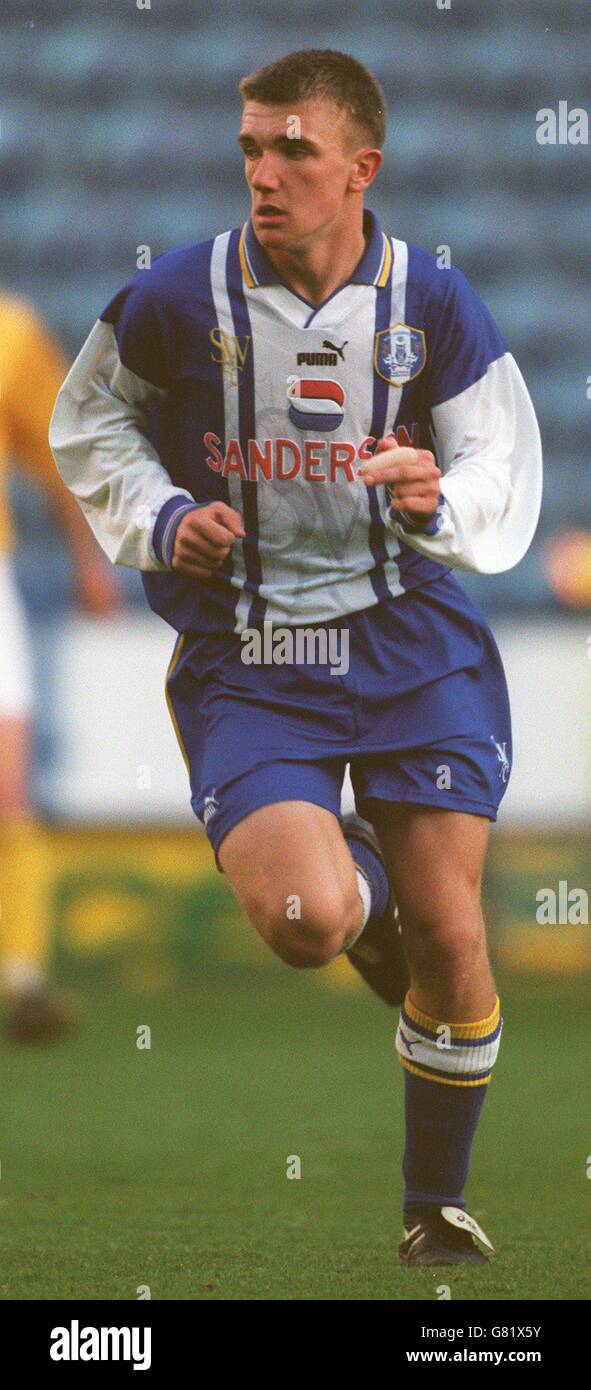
(400, 353)
(334, 347)
(230, 353)
(281, 459)
(317, 359)
(408, 436)
(323, 359)
(315, 403)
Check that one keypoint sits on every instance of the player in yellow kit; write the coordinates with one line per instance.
(32, 369)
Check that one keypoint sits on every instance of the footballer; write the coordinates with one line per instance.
(306, 422)
(32, 368)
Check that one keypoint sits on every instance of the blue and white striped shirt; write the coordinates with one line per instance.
(207, 377)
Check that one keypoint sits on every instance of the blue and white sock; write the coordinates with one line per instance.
(447, 1069)
(372, 883)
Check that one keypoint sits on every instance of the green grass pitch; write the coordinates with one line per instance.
(167, 1167)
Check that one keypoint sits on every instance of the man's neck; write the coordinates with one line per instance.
(318, 272)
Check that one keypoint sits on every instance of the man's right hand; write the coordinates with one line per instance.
(204, 538)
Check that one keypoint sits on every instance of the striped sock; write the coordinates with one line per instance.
(447, 1068)
(371, 866)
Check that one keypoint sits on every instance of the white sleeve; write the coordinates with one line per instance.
(103, 455)
(491, 486)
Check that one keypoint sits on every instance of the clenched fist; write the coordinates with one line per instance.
(411, 475)
(204, 538)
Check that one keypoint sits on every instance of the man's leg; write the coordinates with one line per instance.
(450, 1027)
(293, 874)
(435, 859)
(23, 876)
(35, 1011)
(274, 823)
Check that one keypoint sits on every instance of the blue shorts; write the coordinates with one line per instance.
(421, 714)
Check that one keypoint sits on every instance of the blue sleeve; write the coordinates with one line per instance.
(143, 330)
(462, 337)
(167, 524)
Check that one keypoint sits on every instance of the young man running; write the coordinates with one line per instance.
(306, 424)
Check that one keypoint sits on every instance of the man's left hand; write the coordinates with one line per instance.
(411, 475)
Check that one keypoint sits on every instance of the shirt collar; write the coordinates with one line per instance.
(372, 269)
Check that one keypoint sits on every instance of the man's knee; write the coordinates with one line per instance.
(447, 934)
(307, 934)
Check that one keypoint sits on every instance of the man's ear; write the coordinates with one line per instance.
(367, 165)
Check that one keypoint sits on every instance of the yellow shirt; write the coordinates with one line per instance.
(32, 369)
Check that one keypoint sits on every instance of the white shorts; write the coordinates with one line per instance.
(16, 685)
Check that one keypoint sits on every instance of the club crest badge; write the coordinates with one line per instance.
(400, 353)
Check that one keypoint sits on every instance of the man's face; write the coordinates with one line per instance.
(298, 167)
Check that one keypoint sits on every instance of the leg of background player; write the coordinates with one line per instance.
(295, 847)
(35, 1013)
(451, 1013)
(23, 930)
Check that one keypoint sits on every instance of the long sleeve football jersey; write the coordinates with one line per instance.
(207, 378)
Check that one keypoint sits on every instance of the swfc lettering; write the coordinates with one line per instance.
(230, 354)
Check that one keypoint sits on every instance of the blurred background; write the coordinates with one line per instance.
(148, 1149)
(118, 129)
